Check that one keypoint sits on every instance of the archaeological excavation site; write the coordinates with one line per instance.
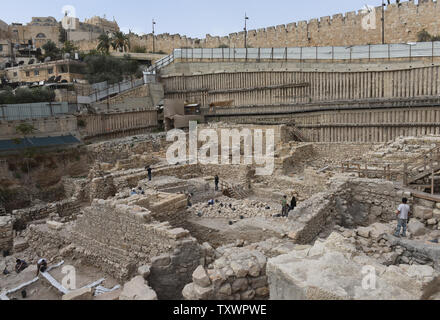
(234, 173)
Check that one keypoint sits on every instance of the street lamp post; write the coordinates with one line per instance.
(154, 45)
(383, 21)
(245, 30)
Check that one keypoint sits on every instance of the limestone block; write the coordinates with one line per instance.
(240, 284)
(262, 292)
(188, 292)
(217, 277)
(258, 282)
(54, 225)
(416, 228)
(423, 213)
(248, 295)
(432, 222)
(80, 294)
(144, 271)
(178, 233)
(201, 278)
(240, 270)
(137, 289)
(203, 293)
(436, 214)
(226, 290)
(364, 232)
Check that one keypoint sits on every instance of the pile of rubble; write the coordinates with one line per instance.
(230, 208)
(334, 269)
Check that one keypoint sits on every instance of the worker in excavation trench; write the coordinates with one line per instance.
(285, 207)
(41, 266)
(403, 213)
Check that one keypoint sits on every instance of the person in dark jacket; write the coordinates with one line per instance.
(217, 181)
(293, 203)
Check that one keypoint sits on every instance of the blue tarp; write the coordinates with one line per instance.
(42, 142)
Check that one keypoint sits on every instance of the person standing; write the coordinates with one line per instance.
(403, 213)
(149, 171)
(217, 181)
(293, 203)
(284, 207)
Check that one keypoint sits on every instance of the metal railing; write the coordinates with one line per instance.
(365, 52)
(161, 63)
(103, 90)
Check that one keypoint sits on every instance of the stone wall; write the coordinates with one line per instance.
(119, 238)
(403, 22)
(348, 203)
(62, 125)
(64, 210)
(240, 274)
(6, 233)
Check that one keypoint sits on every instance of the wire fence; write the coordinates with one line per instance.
(385, 51)
(25, 111)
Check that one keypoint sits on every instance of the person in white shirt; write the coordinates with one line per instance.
(403, 213)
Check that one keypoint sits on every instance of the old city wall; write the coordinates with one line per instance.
(403, 22)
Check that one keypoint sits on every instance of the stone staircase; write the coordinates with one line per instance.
(238, 191)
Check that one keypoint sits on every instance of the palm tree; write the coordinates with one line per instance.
(104, 43)
(120, 41)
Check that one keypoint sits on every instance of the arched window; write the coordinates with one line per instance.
(41, 35)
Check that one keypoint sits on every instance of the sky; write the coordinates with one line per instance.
(193, 18)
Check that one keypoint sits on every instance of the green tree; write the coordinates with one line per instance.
(28, 153)
(423, 36)
(120, 42)
(51, 50)
(104, 44)
(107, 68)
(69, 47)
(62, 37)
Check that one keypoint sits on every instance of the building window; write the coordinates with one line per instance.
(1, 47)
(15, 74)
(28, 74)
(50, 71)
(36, 73)
(41, 35)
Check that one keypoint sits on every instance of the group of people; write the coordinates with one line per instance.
(135, 192)
(21, 265)
(286, 208)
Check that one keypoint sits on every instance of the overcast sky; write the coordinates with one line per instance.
(194, 18)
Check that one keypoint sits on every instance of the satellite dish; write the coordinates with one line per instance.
(47, 59)
(67, 56)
